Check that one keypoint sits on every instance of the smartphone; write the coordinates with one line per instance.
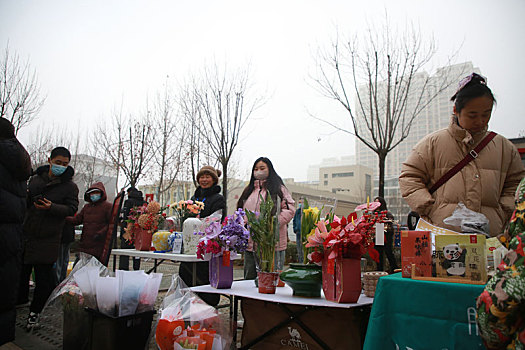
(38, 198)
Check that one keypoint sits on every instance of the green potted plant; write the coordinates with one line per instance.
(305, 279)
(264, 231)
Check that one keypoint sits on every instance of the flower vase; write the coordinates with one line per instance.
(221, 272)
(342, 279)
(267, 281)
(160, 241)
(305, 280)
(190, 240)
(142, 239)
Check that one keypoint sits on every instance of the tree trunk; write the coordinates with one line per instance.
(382, 158)
(225, 187)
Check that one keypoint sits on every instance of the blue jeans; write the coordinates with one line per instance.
(62, 261)
(299, 247)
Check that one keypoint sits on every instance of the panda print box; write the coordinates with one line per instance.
(461, 256)
(454, 262)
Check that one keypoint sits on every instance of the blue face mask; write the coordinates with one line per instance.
(58, 170)
(95, 197)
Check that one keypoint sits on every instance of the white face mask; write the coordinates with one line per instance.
(261, 175)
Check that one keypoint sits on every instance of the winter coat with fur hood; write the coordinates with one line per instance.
(95, 217)
(486, 185)
(286, 213)
(43, 228)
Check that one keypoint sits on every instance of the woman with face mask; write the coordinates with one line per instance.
(95, 217)
(264, 179)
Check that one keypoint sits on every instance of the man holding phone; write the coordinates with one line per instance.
(52, 195)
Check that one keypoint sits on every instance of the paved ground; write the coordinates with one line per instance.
(50, 335)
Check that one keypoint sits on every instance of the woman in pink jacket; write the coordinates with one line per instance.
(265, 178)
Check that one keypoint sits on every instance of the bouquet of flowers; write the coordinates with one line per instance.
(346, 237)
(147, 217)
(264, 231)
(186, 209)
(308, 223)
(231, 237)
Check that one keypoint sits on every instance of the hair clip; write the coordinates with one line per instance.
(465, 81)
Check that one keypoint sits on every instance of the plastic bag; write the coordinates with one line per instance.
(86, 279)
(69, 291)
(107, 295)
(187, 322)
(468, 220)
(148, 295)
(131, 284)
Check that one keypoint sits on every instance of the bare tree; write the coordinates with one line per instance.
(127, 144)
(223, 106)
(168, 144)
(384, 69)
(196, 142)
(47, 137)
(20, 99)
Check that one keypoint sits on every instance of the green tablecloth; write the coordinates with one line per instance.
(423, 315)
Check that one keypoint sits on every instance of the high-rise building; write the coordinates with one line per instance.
(435, 116)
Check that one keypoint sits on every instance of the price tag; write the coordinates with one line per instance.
(330, 266)
(380, 233)
(226, 258)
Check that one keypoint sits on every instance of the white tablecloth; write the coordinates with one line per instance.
(247, 289)
(153, 255)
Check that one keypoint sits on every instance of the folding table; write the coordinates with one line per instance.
(158, 258)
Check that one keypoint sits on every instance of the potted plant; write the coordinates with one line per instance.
(220, 244)
(340, 244)
(305, 279)
(143, 221)
(264, 231)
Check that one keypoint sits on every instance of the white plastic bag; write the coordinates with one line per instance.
(148, 295)
(86, 279)
(130, 287)
(186, 321)
(468, 220)
(107, 295)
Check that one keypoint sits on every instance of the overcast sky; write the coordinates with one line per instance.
(91, 55)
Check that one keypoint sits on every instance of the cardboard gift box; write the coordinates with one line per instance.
(341, 279)
(461, 256)
(221, 272)
(416, 249)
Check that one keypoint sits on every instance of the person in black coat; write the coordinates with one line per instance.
(389, 239)
(52, 195)
(208, 192)
(15, 168)
(135, 199)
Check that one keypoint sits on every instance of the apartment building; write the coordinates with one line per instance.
(435, 116)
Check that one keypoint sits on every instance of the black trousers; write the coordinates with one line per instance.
(186, 274)
(124, 260)
(388, 250)
(10, 265)
(45, 282)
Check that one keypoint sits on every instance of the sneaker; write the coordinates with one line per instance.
(32, 321)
